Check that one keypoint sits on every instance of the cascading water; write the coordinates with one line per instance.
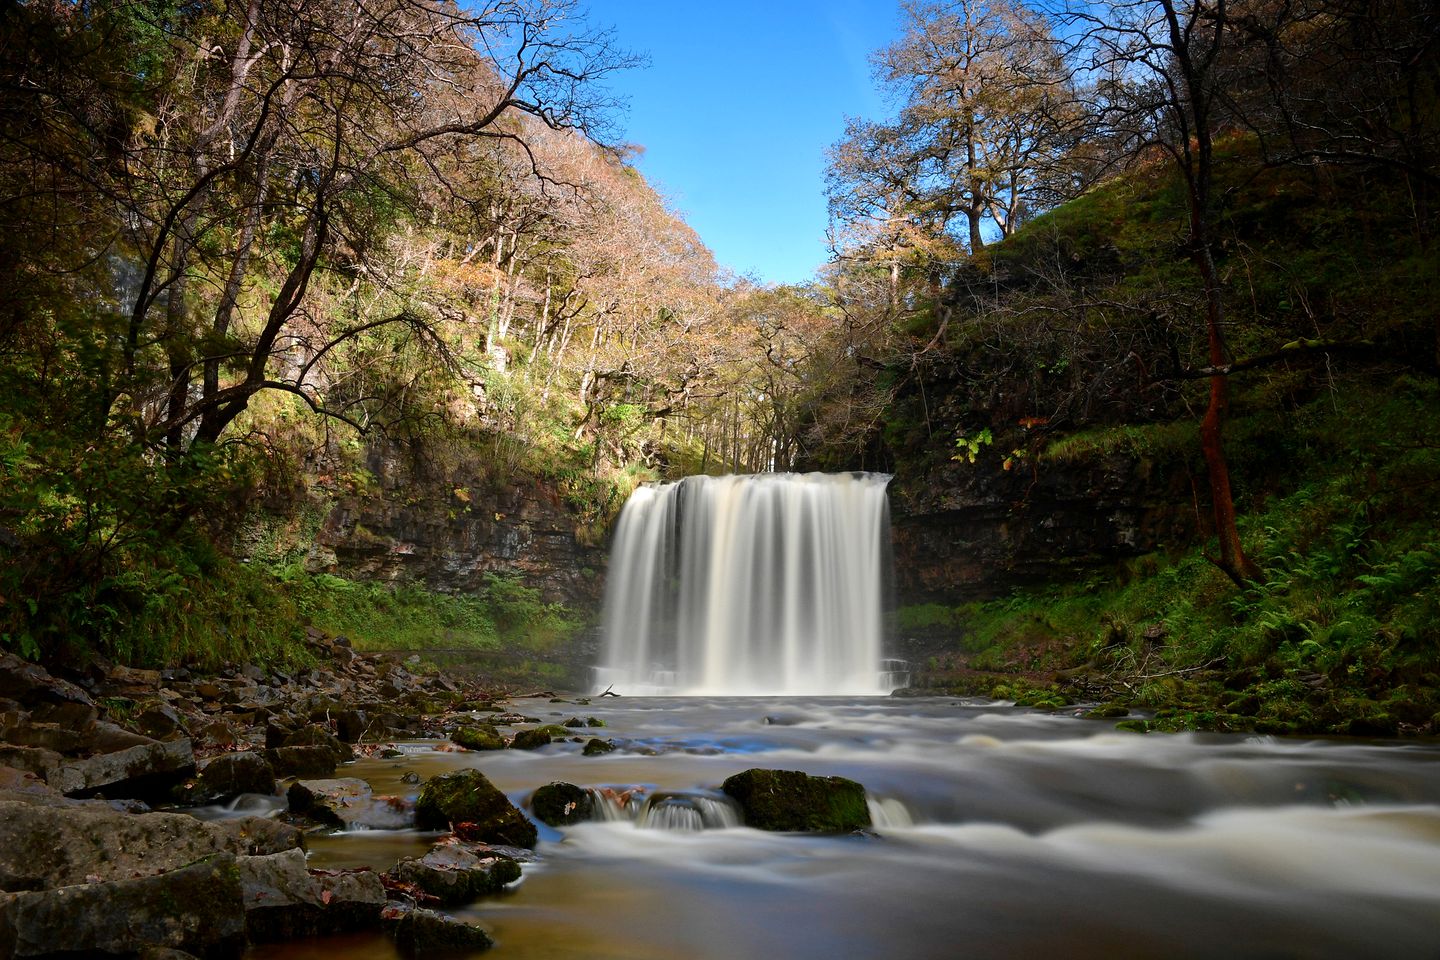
(750, 585)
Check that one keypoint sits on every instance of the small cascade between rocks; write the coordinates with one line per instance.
(751, 585)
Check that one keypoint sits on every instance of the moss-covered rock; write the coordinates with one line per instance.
(793, 801)
(560, 804)
(466, 796)
(531, 739)
(1108, 710)
(455, 874)
(595, 747)
(479, 738)
(425, 933)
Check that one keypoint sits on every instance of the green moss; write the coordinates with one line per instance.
(788, 800)
(467, 796)
(478, 738)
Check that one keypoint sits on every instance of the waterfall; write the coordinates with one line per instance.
(774, 583)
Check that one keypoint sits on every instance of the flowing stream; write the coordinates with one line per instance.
(747, 585)
(1000, 832)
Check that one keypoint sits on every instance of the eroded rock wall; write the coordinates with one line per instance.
(445, 530)
(972, 532)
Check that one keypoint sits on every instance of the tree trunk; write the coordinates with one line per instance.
(1233, 560)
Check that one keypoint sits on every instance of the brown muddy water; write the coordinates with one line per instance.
(1000, 832)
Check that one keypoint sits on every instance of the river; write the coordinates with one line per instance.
(1001, 832)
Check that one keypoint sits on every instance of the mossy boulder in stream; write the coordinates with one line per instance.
(466, 796)
(789, 800)
(561, 804)
(455, 874)
(479, 738)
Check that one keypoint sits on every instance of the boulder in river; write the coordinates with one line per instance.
(467, 796)
(454, 873)
(595, 747)
(561, 804)
(478, 738)
(531, 739)
(347, 802)
(229, 775)
(789, 800)
(425, 933)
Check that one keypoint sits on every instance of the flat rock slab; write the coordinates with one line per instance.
(197, 909)
(347, 802)
(283, 899)
(44, 847)
(454, 873)
(139, 771)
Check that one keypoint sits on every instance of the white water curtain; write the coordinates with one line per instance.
(747, 585)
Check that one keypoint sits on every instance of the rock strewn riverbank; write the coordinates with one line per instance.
(87, 867)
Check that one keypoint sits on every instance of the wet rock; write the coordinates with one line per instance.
(232, 774)
(347, 802)
(147, 770)
(256, 836)
(197, 908)
(42, 847)
(283, 900)
(301, 761)
(455, 874)
(594, 722)
(560, 804)
(789, 800)
(573, 722)
(466, 796)
(595, 747)
(478, 738)
(425, 933)
(531, 739)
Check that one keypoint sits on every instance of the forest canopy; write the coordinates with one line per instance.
(243, 239)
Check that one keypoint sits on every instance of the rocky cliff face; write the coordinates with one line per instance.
(408, 527)
(968, 532)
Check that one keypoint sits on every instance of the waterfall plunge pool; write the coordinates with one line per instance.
(1001, 832)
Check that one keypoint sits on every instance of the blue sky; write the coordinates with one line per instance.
(735, 111)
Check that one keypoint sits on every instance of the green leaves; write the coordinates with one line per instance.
(967, 448)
